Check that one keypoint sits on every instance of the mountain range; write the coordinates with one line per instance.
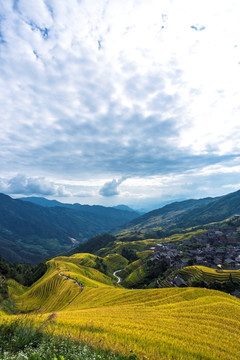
(31, 233)
(184, 214)
(94, 209)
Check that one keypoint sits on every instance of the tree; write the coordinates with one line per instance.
(129, 254)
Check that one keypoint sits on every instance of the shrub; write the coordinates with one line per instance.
(18, 334)
(21, 340)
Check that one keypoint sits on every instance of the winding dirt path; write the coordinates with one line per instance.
(114, 274)
(74, 280)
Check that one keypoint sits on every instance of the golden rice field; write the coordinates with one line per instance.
(210, 275)
(136, 273)
(173, 323)
(115, 262)
(144, 244)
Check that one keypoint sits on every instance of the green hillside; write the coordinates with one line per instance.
(172, 323)
(31, 233)
(94, 244)
(218, 210)
(184, 214)
(163, 218)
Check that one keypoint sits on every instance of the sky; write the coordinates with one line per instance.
(119, 101)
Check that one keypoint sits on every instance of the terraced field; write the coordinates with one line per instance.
(145, 245)
(206, 274)
(136, 273)
(115, 262)
(172, 323)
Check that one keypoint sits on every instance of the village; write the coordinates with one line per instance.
(219, 247)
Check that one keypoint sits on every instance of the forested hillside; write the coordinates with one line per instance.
(185, 214)
(31, 233)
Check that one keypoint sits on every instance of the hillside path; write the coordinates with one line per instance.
(114, 274)
(74, 280)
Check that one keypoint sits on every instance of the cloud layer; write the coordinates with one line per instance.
(104, 90)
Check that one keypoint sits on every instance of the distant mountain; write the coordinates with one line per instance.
(165, 217)
(43, 201)
(186, 214)
(31, 233)
(94, 209)
(221, 208)
(127, 208)
(170, 218)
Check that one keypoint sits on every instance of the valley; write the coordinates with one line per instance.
(31, 232)
(119, 180)
(172, 295)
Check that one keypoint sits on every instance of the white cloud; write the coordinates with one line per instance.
(158, 98)
(20, 184)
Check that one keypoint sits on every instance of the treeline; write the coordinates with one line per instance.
(25, 274)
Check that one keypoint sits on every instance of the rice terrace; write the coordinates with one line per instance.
(119, 180)
(172, 323)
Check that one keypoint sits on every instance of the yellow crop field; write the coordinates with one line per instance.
(164, 324)
(136, 273)
(15, 288)
(115, 262)
(209, 275)
(144, 254)
(139, 245)
(142, 245)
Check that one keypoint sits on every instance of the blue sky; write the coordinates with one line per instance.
(109, 102)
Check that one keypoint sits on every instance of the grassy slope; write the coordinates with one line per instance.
(164, 324)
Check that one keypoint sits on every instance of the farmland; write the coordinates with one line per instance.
(174, 323)
(209, 275)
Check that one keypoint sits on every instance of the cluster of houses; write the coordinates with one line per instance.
(219, 247)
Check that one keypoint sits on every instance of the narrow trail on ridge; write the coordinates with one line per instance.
(74, 280)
